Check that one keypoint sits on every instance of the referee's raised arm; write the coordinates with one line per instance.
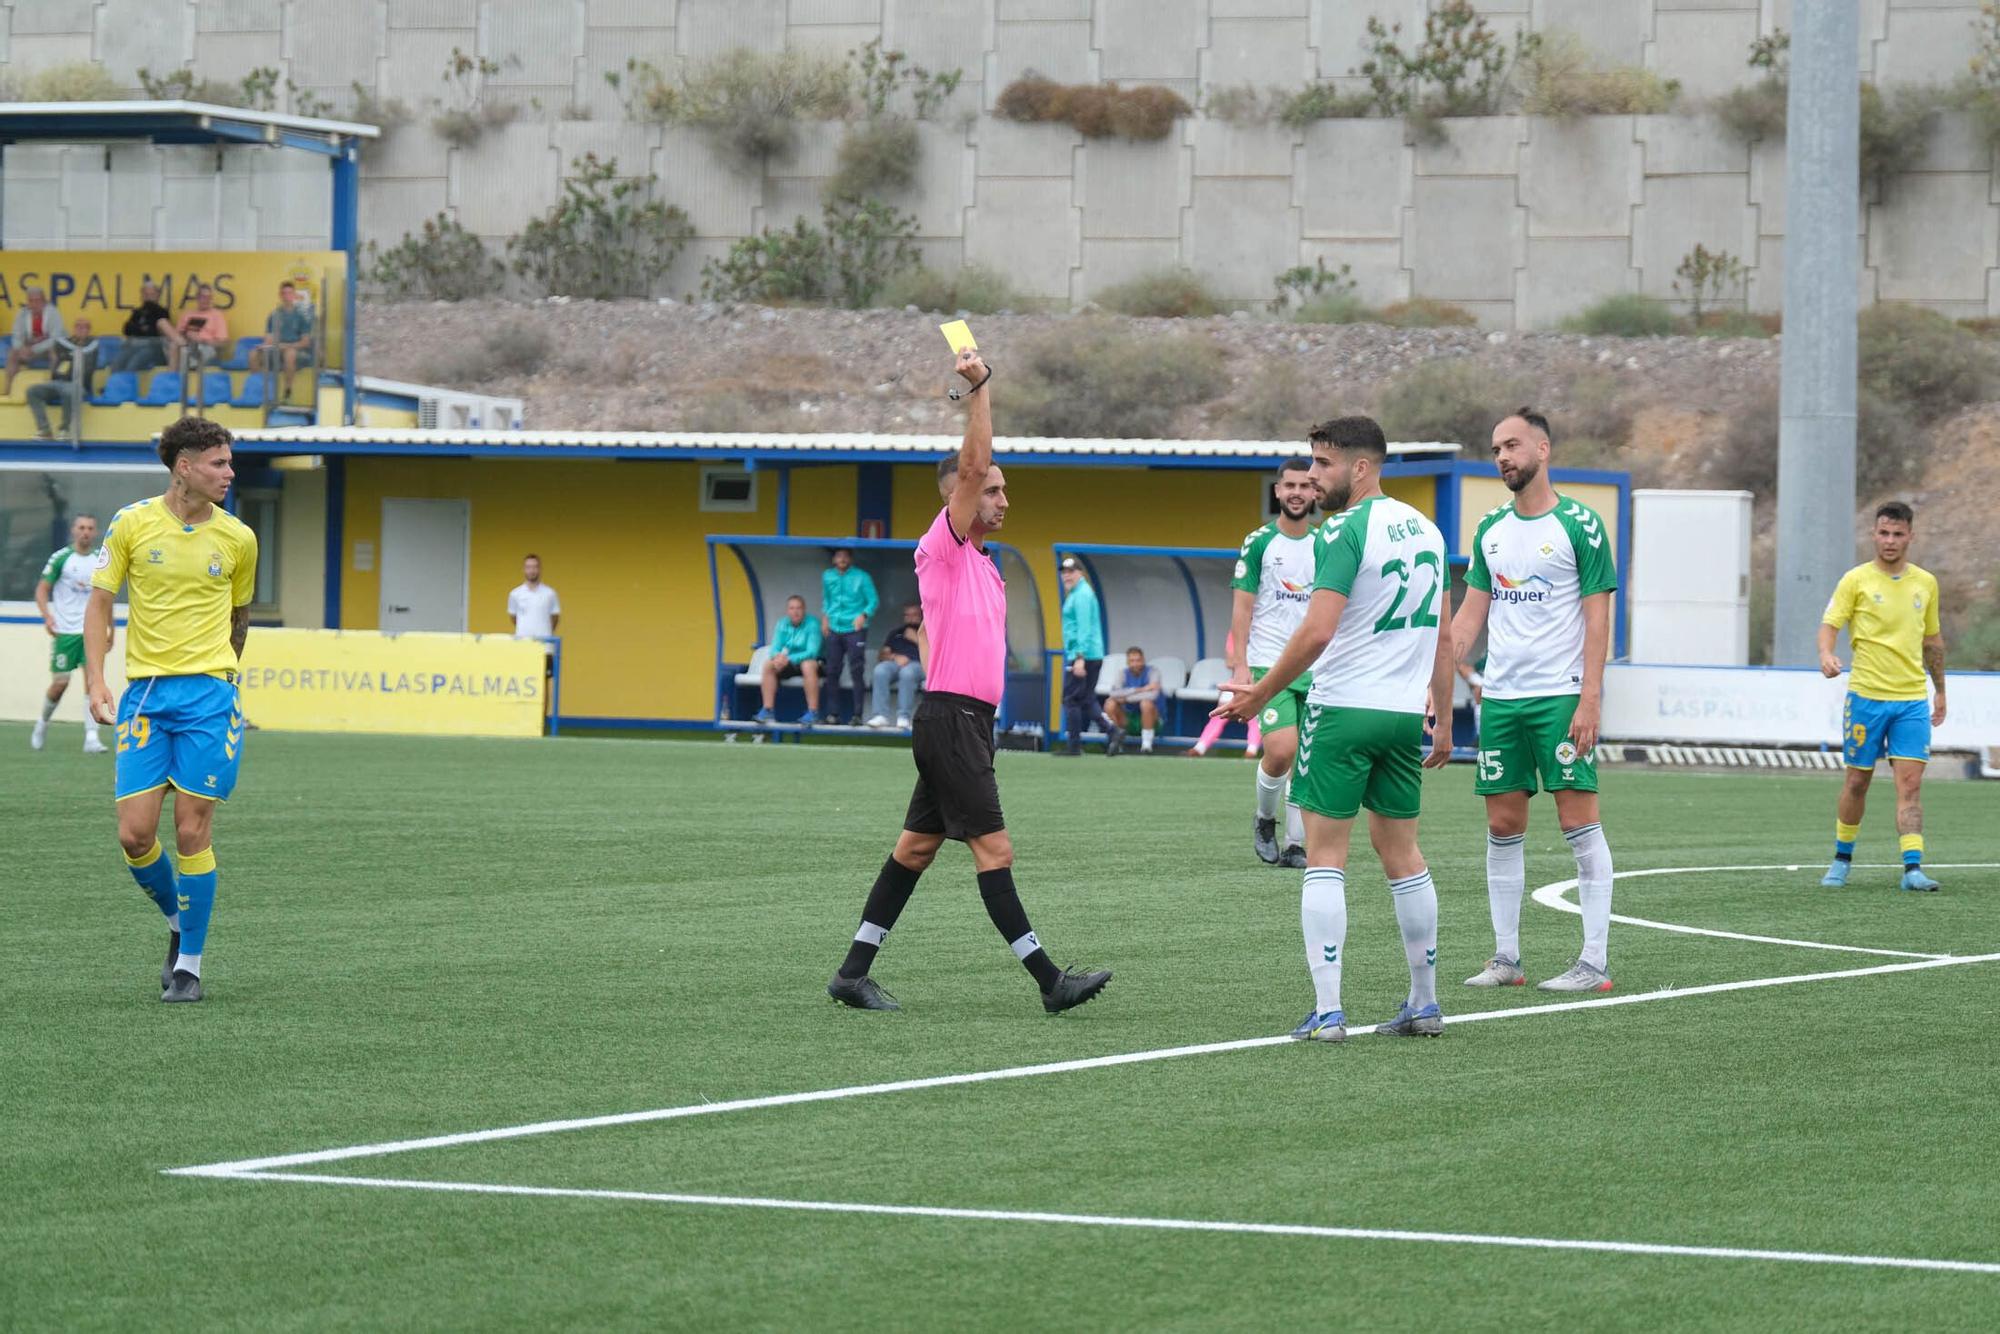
(975, 455)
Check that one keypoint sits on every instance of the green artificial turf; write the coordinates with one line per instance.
(419, 937)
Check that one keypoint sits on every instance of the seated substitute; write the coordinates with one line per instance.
(795, 646)
(1139, 691)
(902, 664)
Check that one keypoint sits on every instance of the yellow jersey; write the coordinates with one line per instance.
(184, 580)
(1888, 617)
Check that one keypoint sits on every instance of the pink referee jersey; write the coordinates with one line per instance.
(965, 614)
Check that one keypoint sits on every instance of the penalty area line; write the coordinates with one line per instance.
(249, 1166)
(1150, 1224)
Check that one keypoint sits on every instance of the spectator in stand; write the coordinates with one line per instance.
(76, 363)
(902, 663)
(1083, 658)
(847, 603)
(289, 333)
(795, 649)
(147, 331)
(37, 326)
(202, 331)
(533, 606)
(1140, 689)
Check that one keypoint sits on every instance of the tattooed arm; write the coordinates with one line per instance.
(239, 630)
(1934, 664)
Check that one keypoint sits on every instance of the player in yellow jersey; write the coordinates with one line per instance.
(1890, 609)
(190, 568)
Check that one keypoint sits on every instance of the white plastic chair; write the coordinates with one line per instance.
(1204, 678)
(1173, 675)
(754, 673)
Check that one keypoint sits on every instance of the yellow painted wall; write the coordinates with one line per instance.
(622, 542)
(1481, 494)
(302, 549)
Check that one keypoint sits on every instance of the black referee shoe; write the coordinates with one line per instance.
(182, 986)
(1073, 989)
(173, 953)
(861, 993)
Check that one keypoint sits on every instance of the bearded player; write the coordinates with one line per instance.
(1540, 585)
(1273, 584)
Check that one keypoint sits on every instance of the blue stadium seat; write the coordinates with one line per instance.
(240, 359)
(162, 390)
(215, 388)
(119, 387)
(107, 349)
(251, 395)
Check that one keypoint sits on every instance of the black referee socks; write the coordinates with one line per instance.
(1003, 905)
(893, 887)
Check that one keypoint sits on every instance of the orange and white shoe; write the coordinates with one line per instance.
(1580, 977)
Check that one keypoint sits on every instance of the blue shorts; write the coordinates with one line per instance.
(184, 730)
(1897, 728)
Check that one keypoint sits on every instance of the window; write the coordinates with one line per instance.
(728, 490)
(38, 503)
(259, 510)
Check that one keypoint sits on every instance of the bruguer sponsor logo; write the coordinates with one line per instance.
(1532, 589)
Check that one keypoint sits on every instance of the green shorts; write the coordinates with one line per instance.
(67, 655)
(1350, 758)
(1288, 706)
(1519, 738)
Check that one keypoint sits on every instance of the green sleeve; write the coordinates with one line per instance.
(1338, 560)
(53, 570)
(1250, 562)
(1596, 572)
(1476, 574)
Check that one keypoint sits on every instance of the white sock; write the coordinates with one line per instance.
(1145, 738)
(1295, 826)
(1416, 902)
(1506, 879)
(1593, 890)
(188, 963)
(1270, 794)
(48, 708)
(174, 922)
(1323, 919)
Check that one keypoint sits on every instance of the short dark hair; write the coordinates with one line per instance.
(1897, 511)
(1303, 463)
(533, 557)
(1135, 649)
(1361, 434)
(796, 597)
(1535, 419)
(947, 468)
(837, 550)
(192, 435)
(288, 283)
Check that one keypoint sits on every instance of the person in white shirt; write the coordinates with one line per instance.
(534, 607)
(61, 595)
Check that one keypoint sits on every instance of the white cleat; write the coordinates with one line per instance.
(93, 745)
(1580, 977)
(38, 736)
(1499, 972)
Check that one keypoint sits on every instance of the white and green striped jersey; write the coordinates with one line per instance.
(1389, 561)
(1279, 570)
(1538, 572)
(68, 576)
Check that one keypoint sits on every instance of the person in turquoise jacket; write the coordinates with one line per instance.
(847, 604)
(1083, 656)
(795, 647)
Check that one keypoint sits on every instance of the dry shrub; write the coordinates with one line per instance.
(1456, 401)
(1423, 312)
(1168, 294)
(1626, 315)
(1095, 378)
(1559, 78)
(1097, 111)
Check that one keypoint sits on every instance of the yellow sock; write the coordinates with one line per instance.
(1913, 849)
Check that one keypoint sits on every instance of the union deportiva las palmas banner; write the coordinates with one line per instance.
(103, 285)
(366, 681)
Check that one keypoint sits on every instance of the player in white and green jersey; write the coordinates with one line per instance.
(1371, 635)
(61, 594)
(1272, 586)
(1540, 585)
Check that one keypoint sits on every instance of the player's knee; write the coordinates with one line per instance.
(135, 838)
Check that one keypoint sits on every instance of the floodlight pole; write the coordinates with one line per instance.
(1822, 277)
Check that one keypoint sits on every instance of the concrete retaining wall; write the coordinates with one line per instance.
(1522, 221)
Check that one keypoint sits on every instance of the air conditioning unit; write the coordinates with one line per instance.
(443, 410)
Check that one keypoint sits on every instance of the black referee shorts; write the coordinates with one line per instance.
(951, 738)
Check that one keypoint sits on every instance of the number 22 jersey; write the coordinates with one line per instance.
(1389, 561)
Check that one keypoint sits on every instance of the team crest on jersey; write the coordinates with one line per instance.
(1565, 753)
(1918, 602)
(1270, 717)
(103, 557)
(215, 563)
(1548, 550)
(1877, 597)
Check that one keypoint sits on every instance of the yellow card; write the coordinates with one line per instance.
(958, 335)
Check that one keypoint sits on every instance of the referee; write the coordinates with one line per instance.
(965, 608)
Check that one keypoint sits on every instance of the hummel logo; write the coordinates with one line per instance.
(1431, 957)
(1332, 953)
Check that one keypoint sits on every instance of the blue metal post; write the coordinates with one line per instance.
(347, 237)
(336, 541)
(784, 502)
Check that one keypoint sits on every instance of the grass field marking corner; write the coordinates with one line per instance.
(1551, 896)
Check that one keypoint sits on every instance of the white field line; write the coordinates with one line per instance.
(1551, 896)
(247, 1166)
(1152, 1224)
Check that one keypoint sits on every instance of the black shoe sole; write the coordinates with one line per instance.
(1085, 999)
